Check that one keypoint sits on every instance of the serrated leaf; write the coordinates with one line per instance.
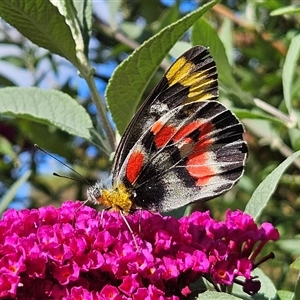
(209, 295)
(12, 191)
(47, 107)
(131, 78)
(288, 71)
(40, 22)
(264, 191)
(75, 13)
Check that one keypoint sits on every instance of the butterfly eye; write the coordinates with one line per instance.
(97, 193)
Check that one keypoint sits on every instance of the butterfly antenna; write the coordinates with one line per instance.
(68, 177)
(70, 168)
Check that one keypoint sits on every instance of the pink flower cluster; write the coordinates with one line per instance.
(76, 252)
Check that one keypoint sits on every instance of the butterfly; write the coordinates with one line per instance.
(182, 145)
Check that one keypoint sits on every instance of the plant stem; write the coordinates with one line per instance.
(102, 112)
(87, 72)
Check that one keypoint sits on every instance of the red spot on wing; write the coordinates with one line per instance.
(157, 127)
(162, 133)
(198, 168)
(198, 163)
(186, 130)
(134, 166)
(207, 127)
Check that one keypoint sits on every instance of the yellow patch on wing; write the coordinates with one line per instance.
(199, 82)
(179, 71)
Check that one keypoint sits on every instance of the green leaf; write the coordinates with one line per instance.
(40, 22)
(209, 295)
(168, 16)
(285, 295)
(287, 10)
(264, 129)
(11, 193)
(204, 34)
(247, 114)
(288, 72)
(297, 288)
(15, 60)
(47, 107)
(264, 191)
(84, 12)
(296, 264)
(294, 134)
(267, 290)
(6, 148)
(132, 76)
(131, 29)
(4, 81)
(227, 39)
(75, 18)
(113, 8)
(290, 245)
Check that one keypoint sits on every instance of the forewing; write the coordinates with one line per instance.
(195, 152)
(192, 77)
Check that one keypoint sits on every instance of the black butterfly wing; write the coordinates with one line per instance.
(192, 77)
(195, 152)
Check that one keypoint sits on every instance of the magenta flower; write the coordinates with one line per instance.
(75, 252)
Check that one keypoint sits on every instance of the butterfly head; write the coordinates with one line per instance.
(94, 192)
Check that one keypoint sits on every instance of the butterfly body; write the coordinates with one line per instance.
(182, 146)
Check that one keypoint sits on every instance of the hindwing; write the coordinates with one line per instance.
(194, 152)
